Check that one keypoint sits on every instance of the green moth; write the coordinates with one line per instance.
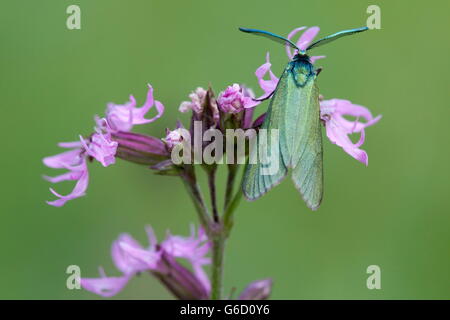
(295, 112)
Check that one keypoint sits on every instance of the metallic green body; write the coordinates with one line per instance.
(294, 111)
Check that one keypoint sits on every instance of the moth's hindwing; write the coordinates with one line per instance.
(308, 156)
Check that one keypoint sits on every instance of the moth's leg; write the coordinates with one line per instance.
(268, 97)
(319, 70)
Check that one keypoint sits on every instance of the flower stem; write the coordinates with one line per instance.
(211, 172)
(228, 219)
(218, 246)
(222, 231)
(232, 170)
(190, 182)
(217, 230)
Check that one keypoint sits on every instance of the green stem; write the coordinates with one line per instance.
(218, 247)
(228, 216)
(232, 170)
(190, 182)
(222, 232)
(211, 172)
(217, 230)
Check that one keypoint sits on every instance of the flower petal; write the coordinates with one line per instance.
(201, 275)
(70, 145)
(71, 175)
(151, 238)
(148, 257)
(194, 248)
(306, 37)
(339, 136)
(338, 128)
(78, 191)
(268, 86)
(341, 107)
(105, 286)
(122, 260)
(101, 147)
(313, 59)
(124, 117)
(64, 159)
(289, 37)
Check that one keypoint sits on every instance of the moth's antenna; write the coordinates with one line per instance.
(335, 36)
(271, 36)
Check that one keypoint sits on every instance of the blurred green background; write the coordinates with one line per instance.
(394, 213)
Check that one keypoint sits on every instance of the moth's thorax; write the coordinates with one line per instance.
(301, 69)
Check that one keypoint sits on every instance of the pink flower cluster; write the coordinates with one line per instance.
(98, 146)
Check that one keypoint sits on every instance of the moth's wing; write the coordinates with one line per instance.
(308, 155)
(258, 180)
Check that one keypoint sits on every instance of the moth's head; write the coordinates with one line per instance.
(300, 55)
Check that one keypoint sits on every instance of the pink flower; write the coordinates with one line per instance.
(124, 117)
(235, 98)
(197, 101)
(338, 128)
(101, 147)
(126, 263)
(74, 161)
(159, 259)
(174, 137)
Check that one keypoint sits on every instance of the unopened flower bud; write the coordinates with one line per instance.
(257, 290)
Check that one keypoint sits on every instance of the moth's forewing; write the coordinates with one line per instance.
(256, 183)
